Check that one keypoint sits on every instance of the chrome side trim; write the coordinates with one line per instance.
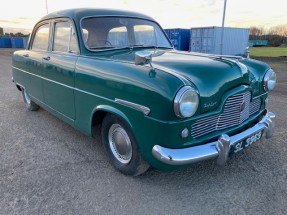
(64, 85)
(55, 82)
(218, 149)
(141, 108)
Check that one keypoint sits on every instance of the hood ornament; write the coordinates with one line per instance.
(247, 51)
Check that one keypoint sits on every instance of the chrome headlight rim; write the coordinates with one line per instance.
(178, 98)
(266, 79)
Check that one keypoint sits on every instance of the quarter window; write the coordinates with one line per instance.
(41, 39)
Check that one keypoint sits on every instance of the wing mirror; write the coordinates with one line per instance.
(143, 57)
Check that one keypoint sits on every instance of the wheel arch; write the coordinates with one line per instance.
(100, 112)
(19, 86)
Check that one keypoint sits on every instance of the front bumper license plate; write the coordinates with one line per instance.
(239, 146)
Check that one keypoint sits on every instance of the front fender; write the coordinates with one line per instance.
(112, 110)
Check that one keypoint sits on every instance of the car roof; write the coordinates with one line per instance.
(78, 14)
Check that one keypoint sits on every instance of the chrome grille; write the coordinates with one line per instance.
(236, 110)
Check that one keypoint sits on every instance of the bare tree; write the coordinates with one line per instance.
(280, 30)
(256, 33)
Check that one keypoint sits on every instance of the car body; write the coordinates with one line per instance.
(156, 106)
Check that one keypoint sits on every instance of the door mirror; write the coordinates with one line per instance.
(143, 57)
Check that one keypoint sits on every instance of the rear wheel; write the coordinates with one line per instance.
(121, 147)
(31, 106)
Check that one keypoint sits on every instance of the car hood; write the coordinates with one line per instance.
(211, 76)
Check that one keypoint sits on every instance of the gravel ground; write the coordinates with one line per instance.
(48, 167)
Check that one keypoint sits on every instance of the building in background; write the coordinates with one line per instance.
(258, 43)
(208, 40)
(1, 31)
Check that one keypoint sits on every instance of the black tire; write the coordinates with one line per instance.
(121, 147)
(31, 106)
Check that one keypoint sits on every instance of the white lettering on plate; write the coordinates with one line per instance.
(238, 147)
(253, 139)
(250, 140)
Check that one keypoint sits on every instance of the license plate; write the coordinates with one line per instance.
(237, 147)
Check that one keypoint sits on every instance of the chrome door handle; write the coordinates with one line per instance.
(25, 55)
(47, 58)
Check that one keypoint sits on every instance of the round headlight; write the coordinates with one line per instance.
(269, 80)
(186, 102)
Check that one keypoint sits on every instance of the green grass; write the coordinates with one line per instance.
(268, 51)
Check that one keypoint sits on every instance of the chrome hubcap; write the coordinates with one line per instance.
(27, 98)
(120, 144)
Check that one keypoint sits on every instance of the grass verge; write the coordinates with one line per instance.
(268, 51)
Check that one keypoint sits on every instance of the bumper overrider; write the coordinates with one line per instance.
(219, 149)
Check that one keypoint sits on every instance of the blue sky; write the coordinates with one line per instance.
(19, 15)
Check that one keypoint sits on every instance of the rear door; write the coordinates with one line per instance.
(59, 66)
(33, 59)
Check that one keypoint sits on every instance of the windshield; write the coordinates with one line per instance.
(100, 33)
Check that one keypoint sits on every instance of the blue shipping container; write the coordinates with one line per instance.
(179, 37)
(19, 42)
(5, 42)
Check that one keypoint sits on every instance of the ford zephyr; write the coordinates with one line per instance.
(155, 106)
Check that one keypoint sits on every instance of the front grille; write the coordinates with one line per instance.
(237, 109)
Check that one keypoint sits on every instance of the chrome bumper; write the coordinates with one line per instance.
(219, 149)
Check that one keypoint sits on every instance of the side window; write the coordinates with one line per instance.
(64, 38)
(41, 38)
(118, 36)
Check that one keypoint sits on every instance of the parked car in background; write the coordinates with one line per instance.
(155, 106)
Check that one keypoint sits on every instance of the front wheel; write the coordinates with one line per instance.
(31, 106)
(121, 147)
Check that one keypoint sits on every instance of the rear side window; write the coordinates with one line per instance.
(64, 38)
(41, 38)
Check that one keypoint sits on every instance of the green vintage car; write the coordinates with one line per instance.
(155, 106)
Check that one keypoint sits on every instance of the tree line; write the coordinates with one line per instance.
(276, 35)
(18, 34)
